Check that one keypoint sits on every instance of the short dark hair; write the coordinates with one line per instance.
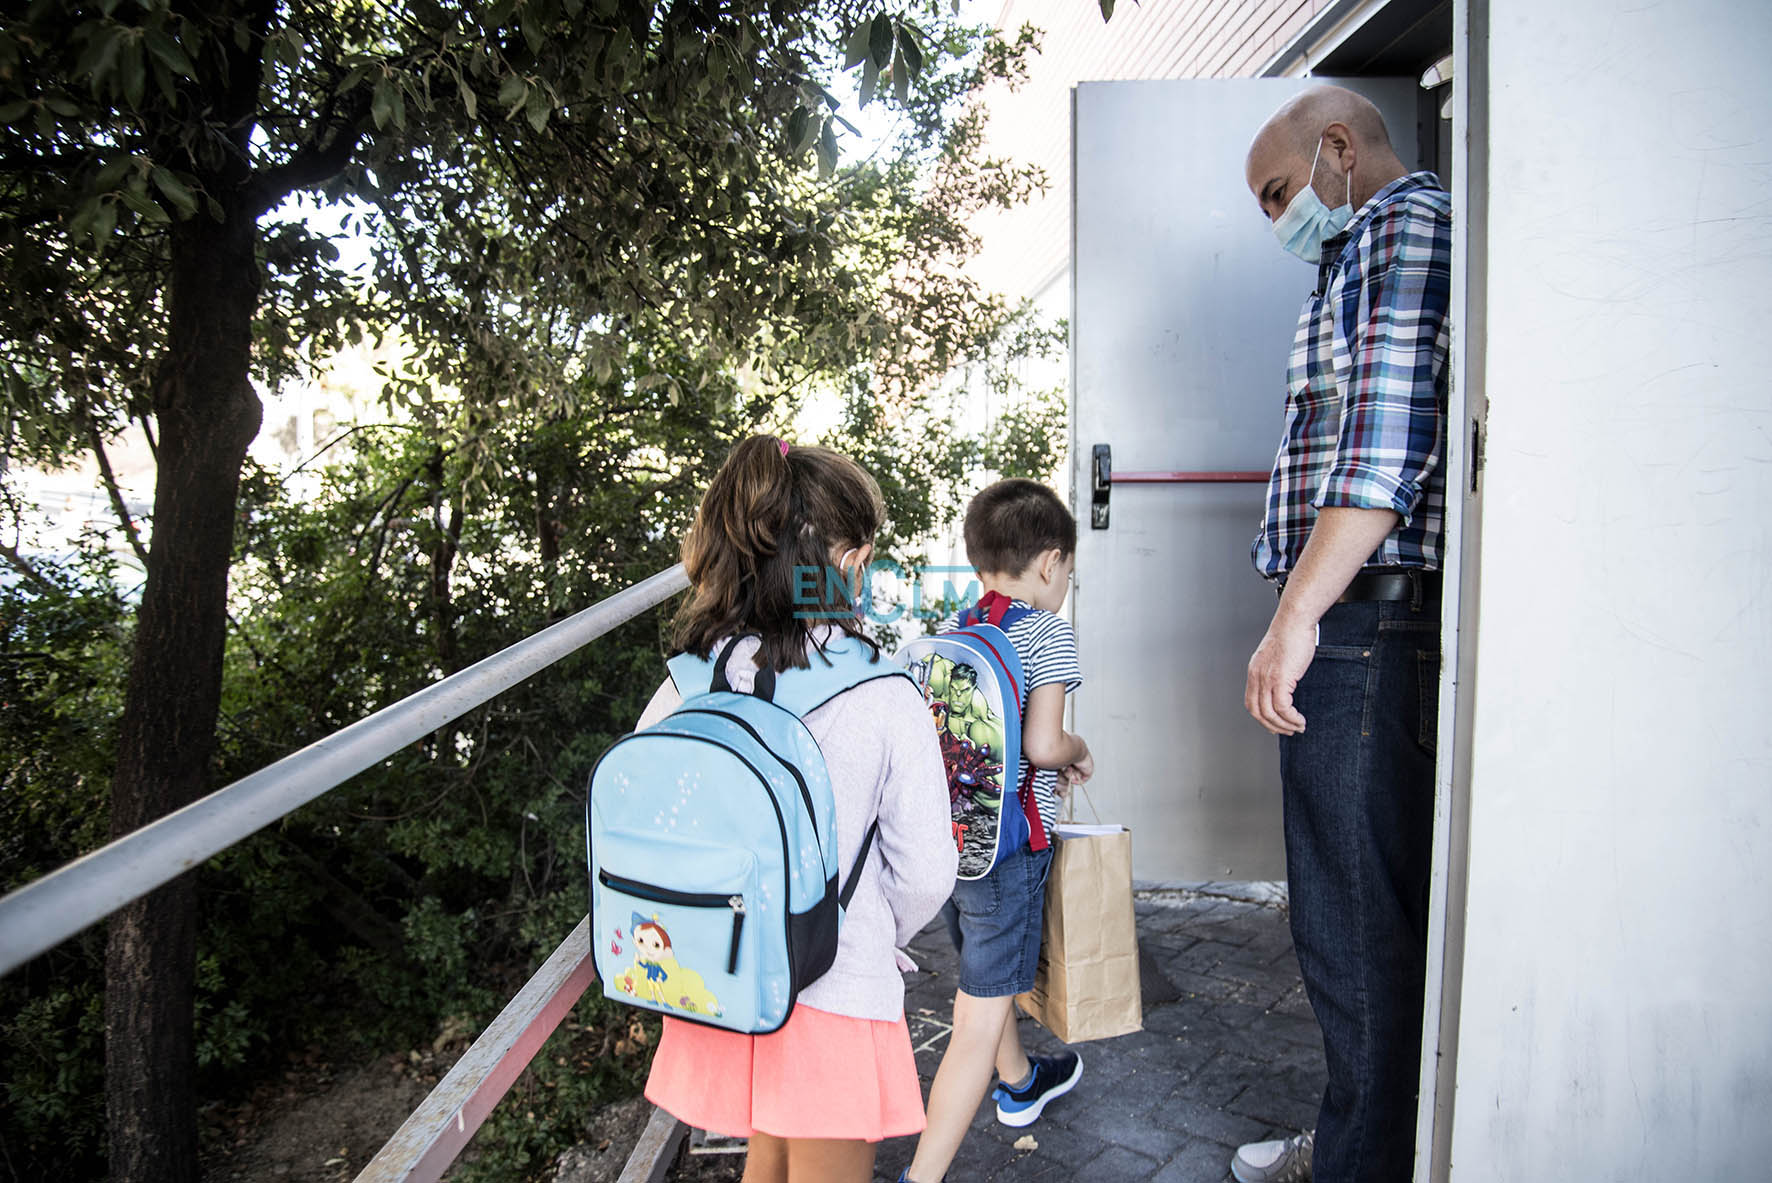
(1013, 522)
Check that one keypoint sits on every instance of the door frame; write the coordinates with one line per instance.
(1467, 409)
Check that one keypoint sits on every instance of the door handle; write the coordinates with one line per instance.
(1101, 484)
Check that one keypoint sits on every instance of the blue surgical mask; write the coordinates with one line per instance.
(1307, 223)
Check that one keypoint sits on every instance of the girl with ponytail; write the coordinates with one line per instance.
(774, 527)
(778, 554)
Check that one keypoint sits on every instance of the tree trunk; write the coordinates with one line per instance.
(443, 553)
(208, 413)
(444, 548)
(547, 527)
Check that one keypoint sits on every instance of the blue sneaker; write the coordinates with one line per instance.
(1054, 1076)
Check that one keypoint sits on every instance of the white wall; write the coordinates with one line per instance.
(1616, 1017)
(1026, 248)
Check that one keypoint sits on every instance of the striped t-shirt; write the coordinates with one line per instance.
(1047, 646)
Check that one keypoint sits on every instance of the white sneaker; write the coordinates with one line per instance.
(1285, 1161)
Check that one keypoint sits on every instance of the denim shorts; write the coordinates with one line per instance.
(995, 923)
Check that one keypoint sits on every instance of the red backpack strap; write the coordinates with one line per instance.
(993, 606)
(1037, 839)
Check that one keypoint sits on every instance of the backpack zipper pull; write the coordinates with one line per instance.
(736, 903)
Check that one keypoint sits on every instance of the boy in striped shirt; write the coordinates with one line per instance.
(1022, 540)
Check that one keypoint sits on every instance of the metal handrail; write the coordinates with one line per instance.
(42, 914)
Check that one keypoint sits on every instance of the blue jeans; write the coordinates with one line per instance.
(1359, 800)
(995, 923)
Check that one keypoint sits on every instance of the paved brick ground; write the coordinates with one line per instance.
(1229, 1054)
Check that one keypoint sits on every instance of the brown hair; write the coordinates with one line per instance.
(1013, 522)
(760, 551)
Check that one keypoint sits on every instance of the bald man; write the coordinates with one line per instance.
(1348, 673)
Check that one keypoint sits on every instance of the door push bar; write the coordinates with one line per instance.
(1103, 478)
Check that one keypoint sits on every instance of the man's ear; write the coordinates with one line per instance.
(1049, 561)
(1338, 145)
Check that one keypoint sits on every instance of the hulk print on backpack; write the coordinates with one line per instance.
(973, 742)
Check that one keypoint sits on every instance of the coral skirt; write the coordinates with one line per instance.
(821, 1076)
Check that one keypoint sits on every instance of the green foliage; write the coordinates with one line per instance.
(62, 649)
(54, 1069)
(614, 240)
(548, 181)
(62, 642)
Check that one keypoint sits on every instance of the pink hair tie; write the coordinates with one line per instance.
(783, 444)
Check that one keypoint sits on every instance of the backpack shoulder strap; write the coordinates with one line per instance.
(993, 608)
(697, 675)
(999, 613)
(845, 664)
(693, 674)
(867, 843)
(996, 642)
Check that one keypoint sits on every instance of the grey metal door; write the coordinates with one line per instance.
(1183, 313)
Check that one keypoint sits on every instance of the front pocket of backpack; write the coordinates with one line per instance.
(688, 948)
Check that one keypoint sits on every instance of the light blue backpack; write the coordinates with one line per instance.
(711, 842)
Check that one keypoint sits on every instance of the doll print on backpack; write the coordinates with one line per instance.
(972, 743)
(656, 976)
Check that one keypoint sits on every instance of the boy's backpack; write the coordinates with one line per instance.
(971, 678)
(711, 842)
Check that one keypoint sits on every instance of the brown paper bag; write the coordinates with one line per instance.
(1086, 986)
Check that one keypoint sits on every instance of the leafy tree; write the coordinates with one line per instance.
(62, 657)
(582, 211)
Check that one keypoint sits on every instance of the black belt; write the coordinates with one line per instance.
(1415, 584)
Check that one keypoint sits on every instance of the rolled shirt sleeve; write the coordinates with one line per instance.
(1396, 345)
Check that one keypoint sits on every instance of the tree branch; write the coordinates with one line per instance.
(386, 509)
(309, 167)
(104, 467)
(60, 164)
(32, 576)
(37, 580)
(257, 654)
(336, 134)
(347, 906)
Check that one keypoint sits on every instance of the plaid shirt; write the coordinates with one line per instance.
(1366, 386)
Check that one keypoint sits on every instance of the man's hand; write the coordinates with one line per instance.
(1340, 542)
(1279, 662)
